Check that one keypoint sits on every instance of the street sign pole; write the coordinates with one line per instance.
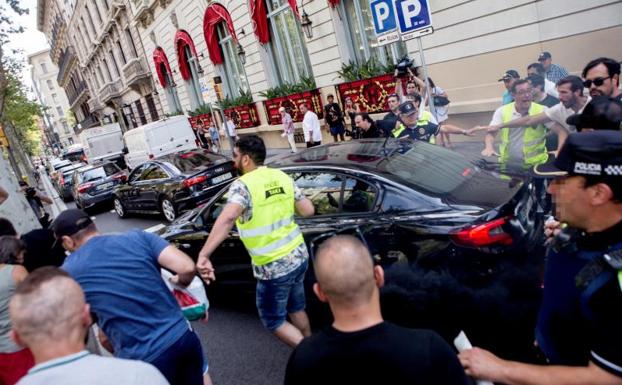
(427, 81)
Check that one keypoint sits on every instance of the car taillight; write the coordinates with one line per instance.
(120, 176)
(84, 187)
(486, 234)
(196, 180)
(61, 180)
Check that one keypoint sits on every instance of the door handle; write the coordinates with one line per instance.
(184, 245)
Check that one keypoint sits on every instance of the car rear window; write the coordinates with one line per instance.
(101, 172)
(427, 167)
(194, 160)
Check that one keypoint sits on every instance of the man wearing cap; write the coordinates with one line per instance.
(508, 79)
(602, 77)
(288, 128)
(578, 326)
(602, 113)
(412, 127)
(120, 276)
(553, 72)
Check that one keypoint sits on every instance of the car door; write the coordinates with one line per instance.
(129, 193)
(151, 185)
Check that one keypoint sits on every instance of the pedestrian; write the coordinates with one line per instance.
(367, 127)
(213, 133)
(310, 126)
(350, 109)
(288, 128)
(413, 84)
(231, 129)
(602, 113)
(359, 338)
(441, 106)
(508, 79)
(50, 316)
(390, 119)
(334, 118)
(4, 195)
(553, 72)
(579, 318)
(602, 77)
(539, 94)
(198, 131)
(572, 100)
(120, 276)
(36, 199)
(538, 69)
(15, 360)
(414, 128)
(262, 204)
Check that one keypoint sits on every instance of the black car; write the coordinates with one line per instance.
(173, 183)
(93, 184)
(64, 182)
(424, 211)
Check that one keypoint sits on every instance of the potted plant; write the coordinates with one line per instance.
(242, 110)
(291, 96)
(368, 84)
(200, 115)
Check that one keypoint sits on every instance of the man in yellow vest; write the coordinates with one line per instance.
(523, 146)
(262, 204)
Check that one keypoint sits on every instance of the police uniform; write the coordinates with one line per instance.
(424, 130)
(581, 312)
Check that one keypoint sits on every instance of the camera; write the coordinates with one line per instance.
(403, 65)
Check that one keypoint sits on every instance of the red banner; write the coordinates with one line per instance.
(370, 94)
(203, 119)
(291, 102)
(244, 116)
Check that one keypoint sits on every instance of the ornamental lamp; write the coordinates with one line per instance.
(241, 54)
(306, 24)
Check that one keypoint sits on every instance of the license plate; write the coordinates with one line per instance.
(104, 186)
(221, 178)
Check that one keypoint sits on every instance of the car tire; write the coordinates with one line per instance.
(119, 208)
(168, 209)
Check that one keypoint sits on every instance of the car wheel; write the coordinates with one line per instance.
(119, 208)
(168, 209)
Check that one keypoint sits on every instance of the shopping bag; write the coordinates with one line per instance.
(192, 299)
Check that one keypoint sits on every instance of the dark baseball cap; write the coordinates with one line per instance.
(407, 108)
(70, 222)
(590, 153)
(510, 74)
(544, 55)
(601, 113)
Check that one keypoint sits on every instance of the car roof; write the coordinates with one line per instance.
(181, 154)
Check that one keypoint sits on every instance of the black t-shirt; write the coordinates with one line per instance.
(382, 354)
(373, 132)
(420, 132)
(549, 101)
(388, 122)
(334, 117)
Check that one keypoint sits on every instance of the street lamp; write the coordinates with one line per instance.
(306, 24)
(241, 54)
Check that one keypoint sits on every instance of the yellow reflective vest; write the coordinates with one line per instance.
(271, 233)
(534, 138)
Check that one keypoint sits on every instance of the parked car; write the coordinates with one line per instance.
(93, 184)
(424, 212)
(63, 181)
(55, 164)
(173, 183)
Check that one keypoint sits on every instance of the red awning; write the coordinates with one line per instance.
(333, 3)
(215, 14)
(182, 39)
(259, 18)
(161, 66)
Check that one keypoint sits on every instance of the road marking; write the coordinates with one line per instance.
(155, 228)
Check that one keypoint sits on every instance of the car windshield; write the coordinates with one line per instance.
(69, 170)
(194, 160)
(99, 173)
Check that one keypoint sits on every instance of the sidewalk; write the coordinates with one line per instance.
(58, 205)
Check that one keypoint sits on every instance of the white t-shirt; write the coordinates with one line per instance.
(231, 128)
(311, 123)
(558, 113)
(550, 88)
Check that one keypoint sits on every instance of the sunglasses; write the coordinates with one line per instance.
(597, 82)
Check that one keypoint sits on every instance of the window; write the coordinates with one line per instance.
(289, 51)
(359, 23)
(99, 15)
(235, 77)
(171, 93)
(98, 173)
(121, 54)
(70, 140)
(44, 68)
(358, 196)
(323, 189)
(154, 172)
(194, 88)
(55, 98)
(59, 111)
(65, 126)
(135, 175)
(141, 112)
(153, 111)
(115, 66)
(130, 42)
(88, 31)
(107, 71)
(50, 84)
(88, 15)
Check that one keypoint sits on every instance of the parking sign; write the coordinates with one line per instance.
(414, 18)
(385, 22)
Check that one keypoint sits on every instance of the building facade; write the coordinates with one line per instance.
(51, 96)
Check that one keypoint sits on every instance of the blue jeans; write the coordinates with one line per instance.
(182, 363)
(277, 297)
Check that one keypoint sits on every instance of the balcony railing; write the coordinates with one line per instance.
(66, 59)
(110, 90)
(135, 70)
(89, 122)
(74, 96)
(95, 104)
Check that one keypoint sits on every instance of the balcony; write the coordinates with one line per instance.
(75, 96)
(67, 58)
(89, 122)
(110, 90)
(135, 71)
(95, 104)
(143, 13)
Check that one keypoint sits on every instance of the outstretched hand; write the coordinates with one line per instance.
(489, 152)
(481, 364)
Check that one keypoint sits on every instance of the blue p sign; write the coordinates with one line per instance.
(412, 14)
(384, 16)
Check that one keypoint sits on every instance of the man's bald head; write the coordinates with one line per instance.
(48, 306)
(345, 271)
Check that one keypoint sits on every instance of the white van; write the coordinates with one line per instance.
(103, 143)
(159, 138)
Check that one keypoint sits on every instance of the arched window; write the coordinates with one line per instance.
(189, 67)
(163, 69)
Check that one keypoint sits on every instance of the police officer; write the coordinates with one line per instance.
(578, 326)
(262, 204)
(419, 129)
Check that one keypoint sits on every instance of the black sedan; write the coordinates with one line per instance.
(173, 183)
(93, 184)
(446, 230)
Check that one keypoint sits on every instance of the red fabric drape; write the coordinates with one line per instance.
(160, 60)
(215, 14)
(182, 39)
(259, 18)
(333, 3)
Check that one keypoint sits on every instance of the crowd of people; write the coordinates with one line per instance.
(49, 301)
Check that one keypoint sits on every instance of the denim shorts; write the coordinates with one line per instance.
(277, 297)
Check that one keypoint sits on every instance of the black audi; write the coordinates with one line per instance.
(441, 225)
(173, 183)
